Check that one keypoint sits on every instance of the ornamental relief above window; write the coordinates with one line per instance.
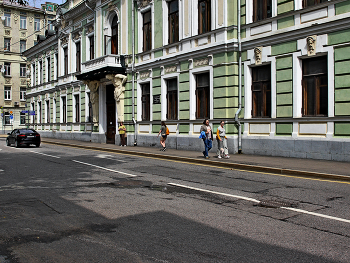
(143, 3)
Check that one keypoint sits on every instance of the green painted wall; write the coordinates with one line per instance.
(284, 48)
(284, 6)
(342, 129)
(284, 86)
(284, 129)
(343, 7)
(158, 24)
(285, 22)
(341, 81)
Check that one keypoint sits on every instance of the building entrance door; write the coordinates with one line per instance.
(111, 122)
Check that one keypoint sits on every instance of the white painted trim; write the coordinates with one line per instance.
(164, 92)
(297, 85)
(193, 100)
(54, 112)
(139, 98)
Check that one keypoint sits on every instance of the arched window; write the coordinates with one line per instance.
(114, 44)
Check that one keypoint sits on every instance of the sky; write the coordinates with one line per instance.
(39, 2)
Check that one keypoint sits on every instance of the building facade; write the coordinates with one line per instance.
(20, 27)
(277, 75)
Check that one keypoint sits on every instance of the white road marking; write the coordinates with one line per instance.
(109, 157)
(46, 154)
(257, 201)
(107, 169)
(1, 170)
(218, 193)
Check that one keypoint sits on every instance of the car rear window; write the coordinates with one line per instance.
(26, 131)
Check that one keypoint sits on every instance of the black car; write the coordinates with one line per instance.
(20, 137)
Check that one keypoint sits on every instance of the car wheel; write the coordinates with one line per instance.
(16, 144)
(37, 145)
(8, 142)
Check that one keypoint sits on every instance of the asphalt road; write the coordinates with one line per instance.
(64, 204)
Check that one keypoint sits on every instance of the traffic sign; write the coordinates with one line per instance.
(11, 117)
(11, 112)
(32, 112)
(24, 111)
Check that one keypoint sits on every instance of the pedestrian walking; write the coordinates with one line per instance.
(122, 132)
(208, 137)
(164, 132)
(222, 141)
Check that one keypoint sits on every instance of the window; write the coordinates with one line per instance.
(261, 91)
(7, 21)
(147, 31)
(47, 111)
(114, 44)
(173, 20)
(7, 44)
(172, 99)
(89, 117)
(262, 9)
(202, 94)
(64, 110)
(307, 3)
(76, 108)
(22, 70)
(92, 51)
(39, 112)
(22, 93)
(33, 109)
(36, 24)
(50, 25)
(34, 74)
(23, 22)
(7, 67)
(35, 42)
(40, 72)
(145, 90)
(54, 111)
(23, 45)
(22, 118)
(204, 16)
(7, 93)
(315, 87)
(48, 69)
(77, 58)
(65, 55)
(7, 118)
(56, 65)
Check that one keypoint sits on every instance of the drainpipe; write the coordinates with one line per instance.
(239, 76)
(133, 71)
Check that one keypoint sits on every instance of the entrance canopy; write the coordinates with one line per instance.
(101, 73)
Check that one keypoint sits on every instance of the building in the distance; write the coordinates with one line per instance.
(20, 28)
(275, 70)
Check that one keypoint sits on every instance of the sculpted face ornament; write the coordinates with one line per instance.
(258, 55)
(311, 45)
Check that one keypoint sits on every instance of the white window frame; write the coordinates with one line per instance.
(48, 68)
(25, 45)
(7, 69)
(139, 98)
(20, 118)
(23, 22)
(193, 97)
(39, 111)
(54, 105)
(47, 111)
(7, 45)
(250, 10)
(166, 21)
(22, 70)
(7, 93)
(195, 16)
(7, 22)
(32, 108)
(61, 108)
(56, 65)
(88, 57)
(164, 92)
(22, 93)
(74, 109)
(140, 26)
(32, 74)
(36, 24)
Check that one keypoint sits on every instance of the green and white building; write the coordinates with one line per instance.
(277, 75)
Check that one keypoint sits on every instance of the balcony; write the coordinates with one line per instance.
(98, 68)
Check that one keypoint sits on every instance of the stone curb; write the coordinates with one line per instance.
(245, 167)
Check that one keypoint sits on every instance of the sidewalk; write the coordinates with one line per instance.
(279, 165)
